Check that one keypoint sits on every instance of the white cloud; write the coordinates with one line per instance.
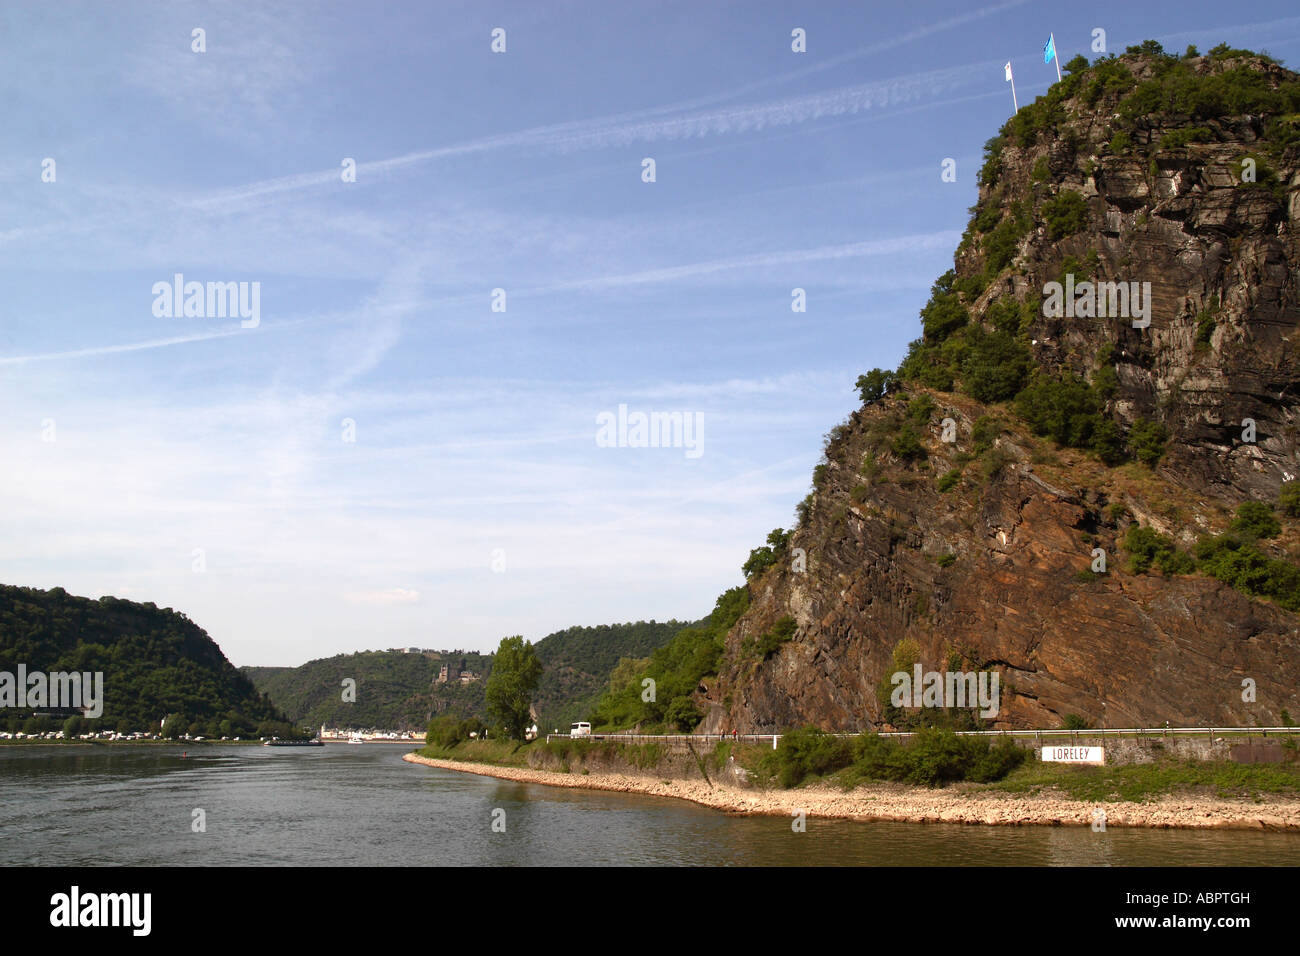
(388, 596)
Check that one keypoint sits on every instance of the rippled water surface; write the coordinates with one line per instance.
(345, 804)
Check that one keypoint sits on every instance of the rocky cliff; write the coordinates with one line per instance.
(959, 516)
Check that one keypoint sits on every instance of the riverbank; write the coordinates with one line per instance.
(903, 804)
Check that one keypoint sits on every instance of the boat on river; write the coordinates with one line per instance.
(277, 742)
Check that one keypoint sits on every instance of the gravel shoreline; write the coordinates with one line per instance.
(914, 805)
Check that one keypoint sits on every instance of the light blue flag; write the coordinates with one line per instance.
(1049, 49)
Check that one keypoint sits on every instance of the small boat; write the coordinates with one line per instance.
(277, 742)
(356, 739)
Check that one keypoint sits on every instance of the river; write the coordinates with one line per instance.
(362, 805)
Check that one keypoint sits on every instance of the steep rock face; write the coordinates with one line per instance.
(1182, 219)
(995, 572)
(1019, 596)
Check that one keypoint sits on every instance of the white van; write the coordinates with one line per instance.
(580, 729)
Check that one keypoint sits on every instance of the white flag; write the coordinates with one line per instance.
(1008, 70)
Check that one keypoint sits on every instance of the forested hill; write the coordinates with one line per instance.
(156, 662)
(401, 691)
(394, 691)
(578, 661)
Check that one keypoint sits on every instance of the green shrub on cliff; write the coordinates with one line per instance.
(992, 160)
(1288, 499)
(1108, 76)
(1178, 90)
(1147, 439)
(1000, 245)
(1255, 520)
(925, 363)
(763, 557)
(765, 645)
(944, 313)
(996, 367)
(1066, 409)
(1243, 566)
(1147, 549)
(1065, 214)
(875, 385)
(907, 444)
(921, 409)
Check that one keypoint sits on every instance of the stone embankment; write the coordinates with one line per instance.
(913, 805)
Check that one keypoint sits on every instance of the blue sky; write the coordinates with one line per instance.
(129, 440)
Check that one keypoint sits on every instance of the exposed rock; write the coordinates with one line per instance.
(1119, 649)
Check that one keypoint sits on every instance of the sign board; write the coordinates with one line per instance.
(1095, 755)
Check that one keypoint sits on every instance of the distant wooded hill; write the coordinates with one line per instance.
(400, 691)
(156, 663)
(577, 663)
(394, 690)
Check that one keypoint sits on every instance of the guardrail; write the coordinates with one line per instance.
(1035, 734)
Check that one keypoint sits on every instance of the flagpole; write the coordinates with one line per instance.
(1056, 57)
(1012, 77)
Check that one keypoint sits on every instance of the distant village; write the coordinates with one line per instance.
(370, 735)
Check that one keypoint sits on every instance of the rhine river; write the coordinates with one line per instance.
(345, 804)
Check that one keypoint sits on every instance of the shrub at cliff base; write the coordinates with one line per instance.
(807, 752)
(936, 757)
(932, 758)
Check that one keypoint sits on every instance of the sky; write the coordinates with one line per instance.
(390, 453)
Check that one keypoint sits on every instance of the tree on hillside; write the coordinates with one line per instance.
(876, 384)
(515, 675)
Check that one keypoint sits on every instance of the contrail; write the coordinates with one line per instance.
(110, 349)
(152, 343)
(874, 48)
(648, 126)
(945, 239)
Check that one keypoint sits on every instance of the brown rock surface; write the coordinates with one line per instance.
(1119, 649)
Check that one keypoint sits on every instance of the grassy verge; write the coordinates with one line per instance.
(936, 759)
(502, 753)
(1137, 782)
